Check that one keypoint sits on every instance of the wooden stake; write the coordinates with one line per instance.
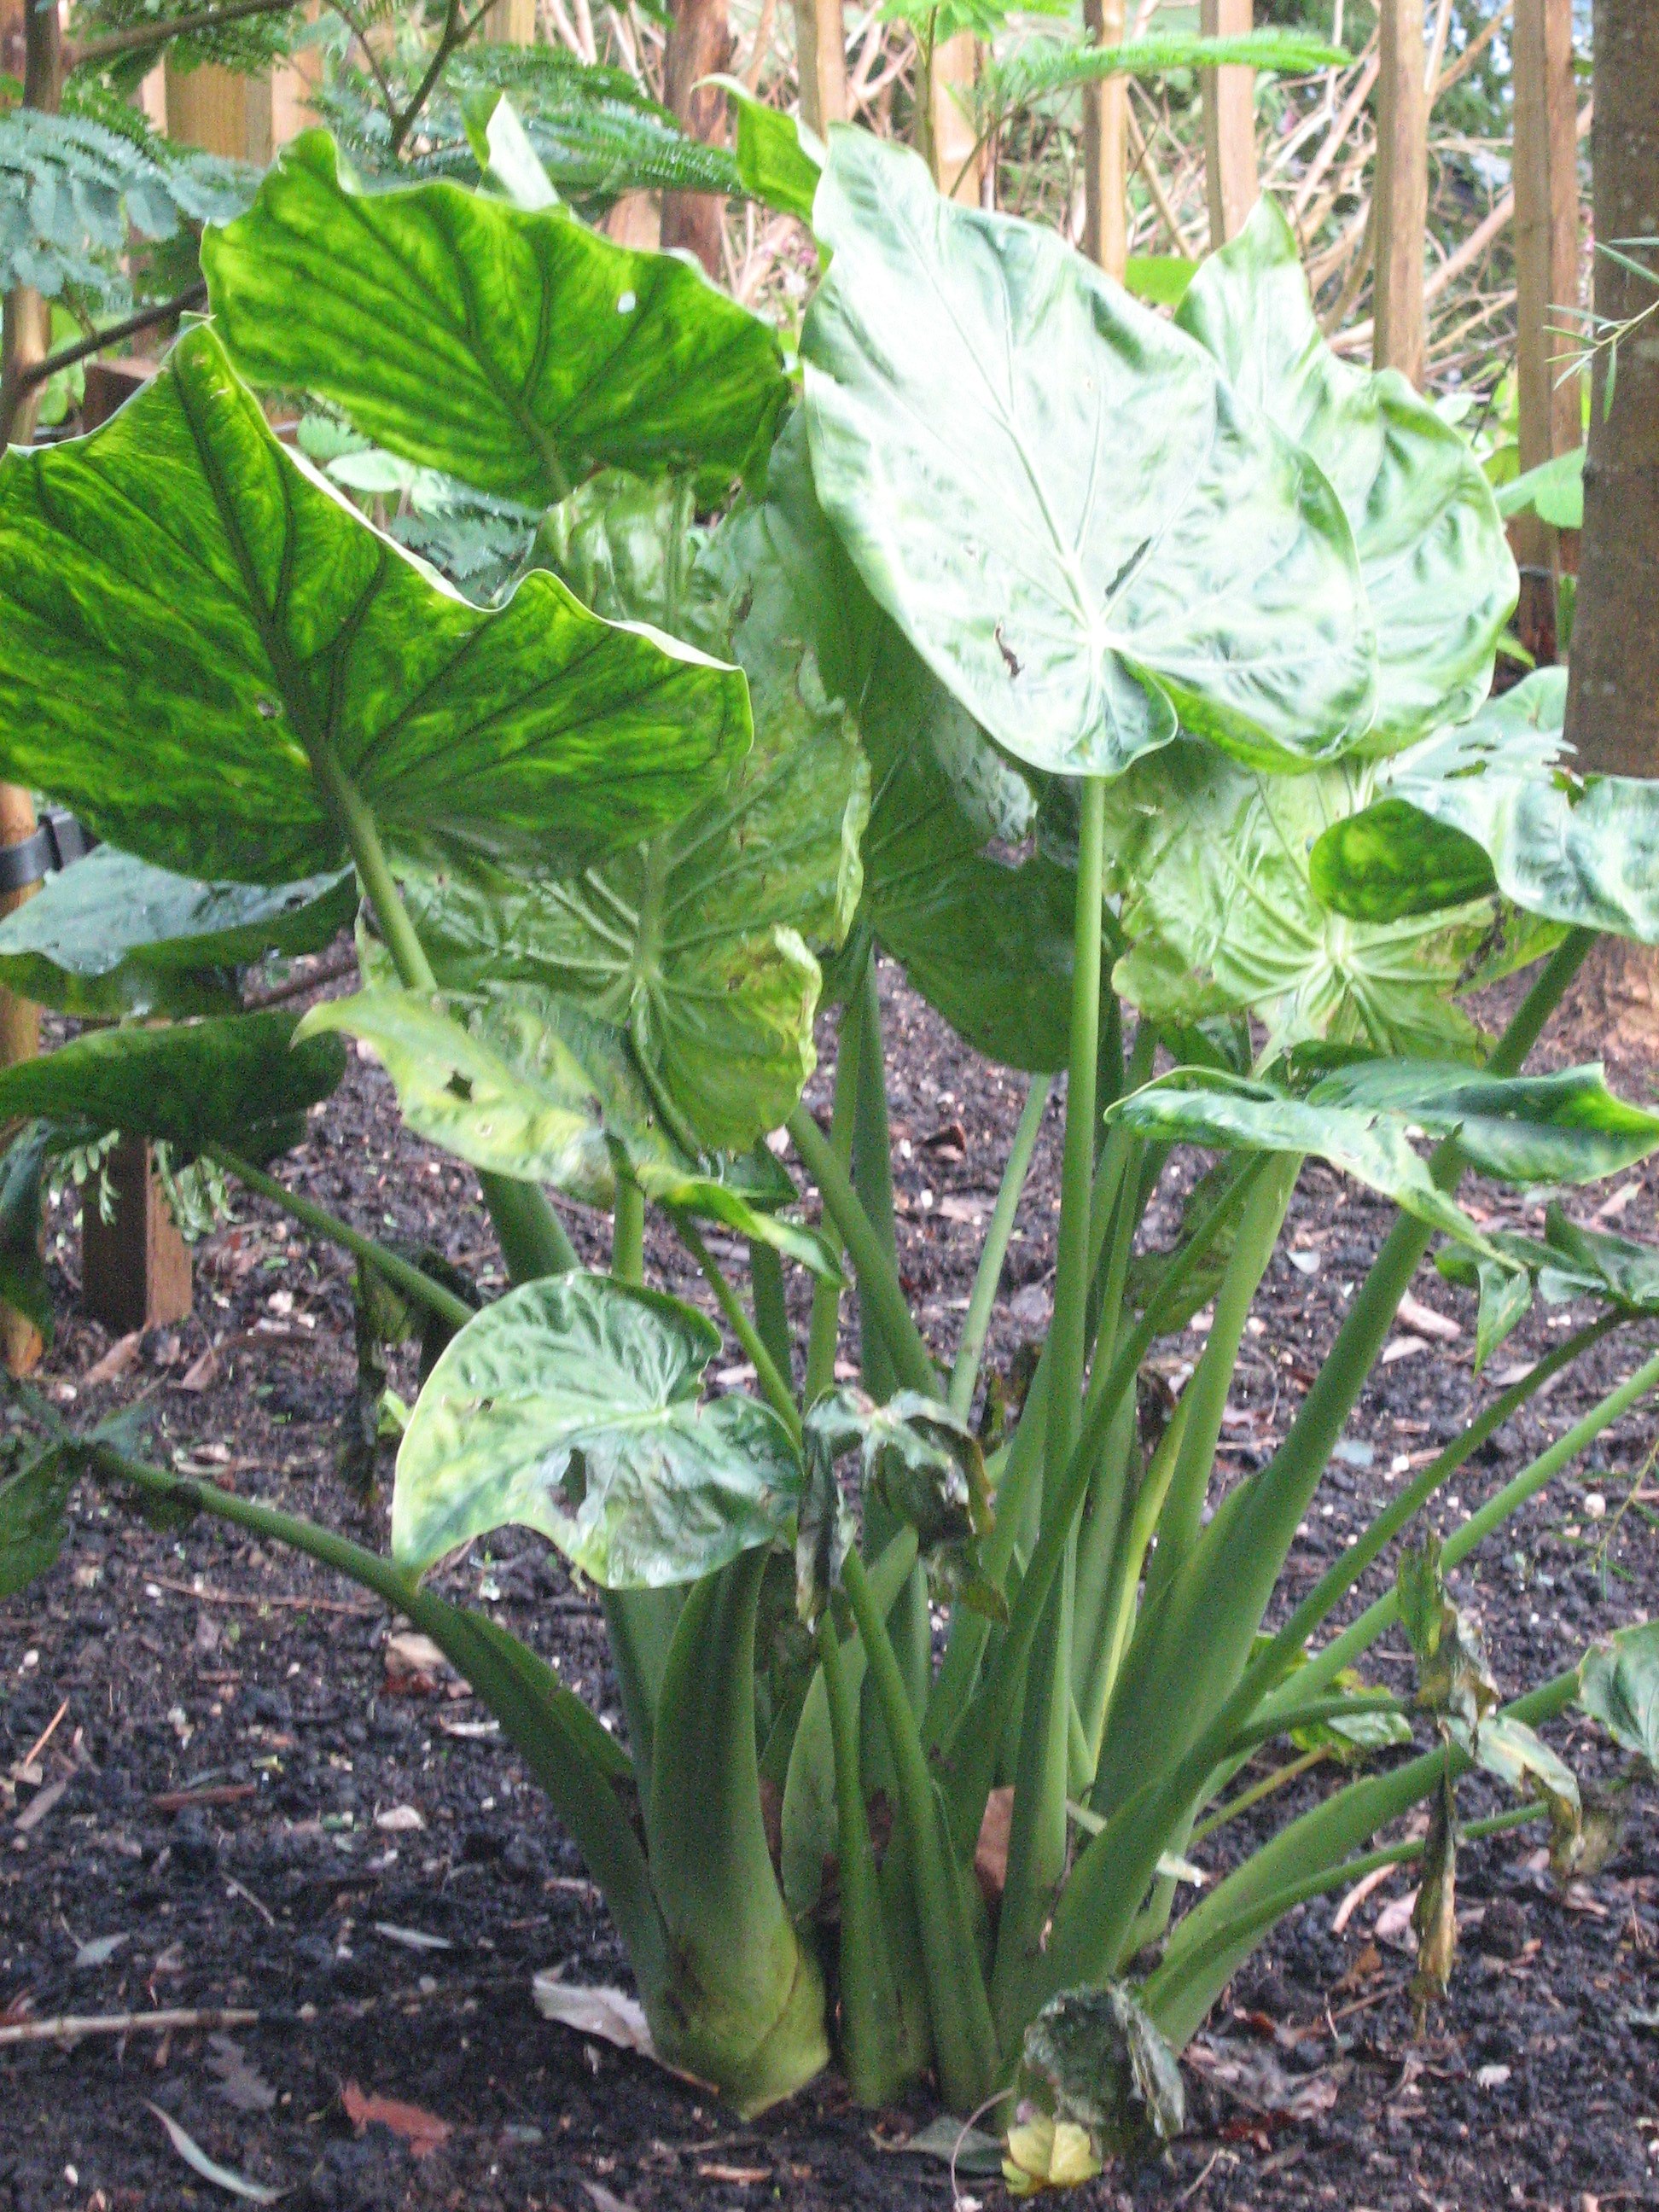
(957, 163)
(699, 47)
(1400, 192)
(821, 58)
(511, 23)
(1105, 148)
(1229, 125)
(20, 1039)
(1547, 285)
(135, 1270)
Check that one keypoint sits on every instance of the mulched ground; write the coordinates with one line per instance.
(395, 1958)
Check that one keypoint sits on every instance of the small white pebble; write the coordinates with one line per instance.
(1594, 1504)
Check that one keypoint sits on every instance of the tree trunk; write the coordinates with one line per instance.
(1400, 191)
(25, 319)
(1613, 699)
(820, 54)
(957, 160)
(1230, 173)
(699, 46)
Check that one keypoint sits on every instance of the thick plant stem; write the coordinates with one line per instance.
(544, 1721)
(1078, 1165)
(399, 1272)
(964, 2039)
(771, 1311)
(878, 1280)
(766, 1370)
(628, 1233)
(872, 1179)
(964, 1375)
(824, 1334)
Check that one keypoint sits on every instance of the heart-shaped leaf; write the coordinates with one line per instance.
(570, 1406)
(1212, 861)
(113, 936)
(239, 1080)
(1437, 566)
(986, 940)
(514, 349)
(1567, 1264)
(189, 619)
(1058, 499)
(1619, 1685)
(1566, 1127)
(518, 1081)
(1496, 799)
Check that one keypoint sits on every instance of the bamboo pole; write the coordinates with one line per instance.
(1229, 173)
(699, 47)
(510, 23)
(821, 59)
(959, 160)
(1105, 148)
(1546, 173)
(20, 1039)
(1401, 191)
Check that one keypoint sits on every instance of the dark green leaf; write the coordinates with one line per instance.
(186, 615)
(1092, 2059)
(32, 1523)
(514, 351)
(113, 936)
(1057, 498)
(1619, 1685)
(779, 159)
(1437, 568)
(570, 1406)
(241, 1079)
(23, 1283)
(1583, 851)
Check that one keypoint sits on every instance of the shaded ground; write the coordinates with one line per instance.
(258, 1687)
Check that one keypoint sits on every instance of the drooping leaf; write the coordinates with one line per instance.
(1356, 1736)
(1212, 859)
(1058, 499)
(570, 1406)
(925, 1466)
(1453, 1681)
(1619, 1685)
(186, 613)
(516, 351)
(1520, 1758)
(1496, 799)
(780, 160)
(1434, 1916)
(23, 1283)
(114, 937)
(1437, 566)
(32, 1523)
(1567, 1263)
(520, 1082)
(239, 1080)
(1553, 491)
(1093, 2063)
(987, 939)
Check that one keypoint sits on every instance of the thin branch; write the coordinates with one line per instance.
(146, 318)
(1141, 148)
(347, 15)
(77, 52)
(70, 2026)
(1472, 53)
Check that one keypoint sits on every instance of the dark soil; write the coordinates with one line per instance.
(258, 1687)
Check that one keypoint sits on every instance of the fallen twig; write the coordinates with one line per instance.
(72, 2028)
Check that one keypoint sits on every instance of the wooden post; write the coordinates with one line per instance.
(511, 23)
(20, 1039)
(136, 1269)
(1105, 148)
(821, 62)
(1401, 192)
(957, 159)
(1229, 125)
(219, 111)
(1547, 285)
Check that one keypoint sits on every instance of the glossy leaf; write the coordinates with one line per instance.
(779, 159)
(1497, 798)
(1057, 498)
(986, 940)
(1619, 1685)
(518, 1081)
(514, 349)
(1437, 566)
(1212, 859)
(186, 613)
(113, 936)
(570, 1406)
(241, 1079)
(32, 1523)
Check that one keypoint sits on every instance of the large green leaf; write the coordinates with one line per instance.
(23, 1284)
(1495, 800)
(1059, 499)
(32, 1525)
(522, 1083)
(1567, 1127)
(1212, 861)
(571, 1406)
(513, 350)
(1437, 565)
(986, 939)
(1619, 1685)
(241, 1079)
(113, 936)
(1567, 1263)
(188, 617)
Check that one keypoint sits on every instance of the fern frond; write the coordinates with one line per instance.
(1044, 66)
(249, 47)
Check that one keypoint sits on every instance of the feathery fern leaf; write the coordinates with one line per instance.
(1045, 66)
